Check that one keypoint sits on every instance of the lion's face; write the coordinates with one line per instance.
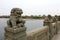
(16, 11)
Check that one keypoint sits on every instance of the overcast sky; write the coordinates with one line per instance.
(31, 7)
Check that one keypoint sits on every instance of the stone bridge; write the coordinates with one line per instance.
(17, 31)
(51, 32)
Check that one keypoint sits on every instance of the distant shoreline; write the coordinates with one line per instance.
(24, 17)
(30, 18)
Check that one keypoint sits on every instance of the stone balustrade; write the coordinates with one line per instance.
(43, 33)
(58, 25)
(38, 34)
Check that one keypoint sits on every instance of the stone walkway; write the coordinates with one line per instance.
(56, 37)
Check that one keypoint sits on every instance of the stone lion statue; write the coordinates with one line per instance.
(15, 18)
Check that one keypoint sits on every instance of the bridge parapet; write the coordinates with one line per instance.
(38, 34)
(53, 26)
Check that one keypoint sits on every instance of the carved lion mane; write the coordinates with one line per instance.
(16, 11)
(15, 18)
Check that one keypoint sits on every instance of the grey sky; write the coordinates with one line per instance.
(31, 7)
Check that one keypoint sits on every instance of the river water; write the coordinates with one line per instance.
(30, 24)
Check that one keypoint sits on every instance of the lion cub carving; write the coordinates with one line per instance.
(15, 18)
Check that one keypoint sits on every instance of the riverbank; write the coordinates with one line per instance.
(25, 17)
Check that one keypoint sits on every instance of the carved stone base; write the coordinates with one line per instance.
(15, 34)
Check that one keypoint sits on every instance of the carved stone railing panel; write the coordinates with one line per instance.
(38, 34)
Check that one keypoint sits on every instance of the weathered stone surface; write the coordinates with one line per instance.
(38, 34)
(52, 26)
(56, 37)
(15, 18)
(18, 33)
(16, 29)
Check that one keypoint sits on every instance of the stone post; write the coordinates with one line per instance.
(56, 21)
(48, 22)
(16, 31)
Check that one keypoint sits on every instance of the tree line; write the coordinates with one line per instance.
(33, 16)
